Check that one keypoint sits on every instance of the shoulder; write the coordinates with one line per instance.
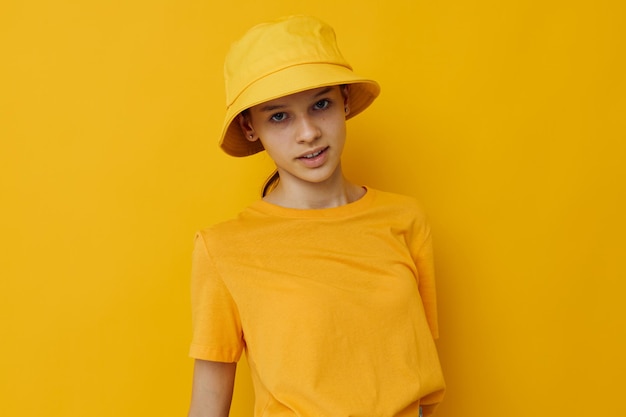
(400, 203)
(403, 214)
(238, 227)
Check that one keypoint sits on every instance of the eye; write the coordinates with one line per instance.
(322, 104)
(278, 117)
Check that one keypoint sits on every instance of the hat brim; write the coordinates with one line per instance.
(288, 81)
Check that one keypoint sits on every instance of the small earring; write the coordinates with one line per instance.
(346, 109)
(251, 135)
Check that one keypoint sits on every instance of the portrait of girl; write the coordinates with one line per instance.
(326, 285)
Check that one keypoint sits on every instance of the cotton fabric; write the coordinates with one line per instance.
(336, 308)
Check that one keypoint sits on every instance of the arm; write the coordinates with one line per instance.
(212, 389)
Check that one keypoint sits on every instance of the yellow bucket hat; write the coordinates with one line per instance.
(279, 58)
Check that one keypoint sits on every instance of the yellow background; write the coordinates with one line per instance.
(505, 118)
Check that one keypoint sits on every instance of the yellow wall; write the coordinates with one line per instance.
(507, 119)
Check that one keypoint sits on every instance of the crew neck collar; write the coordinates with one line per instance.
(339, 211)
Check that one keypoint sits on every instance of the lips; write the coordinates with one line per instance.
(313, 154)
(315, 158)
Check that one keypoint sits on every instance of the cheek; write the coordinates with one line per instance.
(273, 142)
(339, 126)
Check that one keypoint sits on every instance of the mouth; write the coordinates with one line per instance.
(314, 154)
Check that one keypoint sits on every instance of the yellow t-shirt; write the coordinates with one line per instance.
(335, 308)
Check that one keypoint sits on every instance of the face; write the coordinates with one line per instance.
(304, 133)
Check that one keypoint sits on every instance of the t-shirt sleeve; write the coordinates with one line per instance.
(217, 331)
(422, 249)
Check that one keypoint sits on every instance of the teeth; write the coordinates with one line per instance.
(312, 155)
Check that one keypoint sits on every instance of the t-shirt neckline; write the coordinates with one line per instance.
(339, 211)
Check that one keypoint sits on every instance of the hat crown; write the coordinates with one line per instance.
(274, 46)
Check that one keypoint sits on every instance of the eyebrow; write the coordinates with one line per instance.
(274, 107)
(324, 92)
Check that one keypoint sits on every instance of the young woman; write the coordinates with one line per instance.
(326, 285)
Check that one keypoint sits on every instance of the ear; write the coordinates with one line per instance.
(345, 93)
(246, 126)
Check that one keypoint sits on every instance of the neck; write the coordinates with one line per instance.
(333, 193)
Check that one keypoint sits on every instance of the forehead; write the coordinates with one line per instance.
(303, 96)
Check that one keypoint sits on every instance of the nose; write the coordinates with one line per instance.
(308, 131)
